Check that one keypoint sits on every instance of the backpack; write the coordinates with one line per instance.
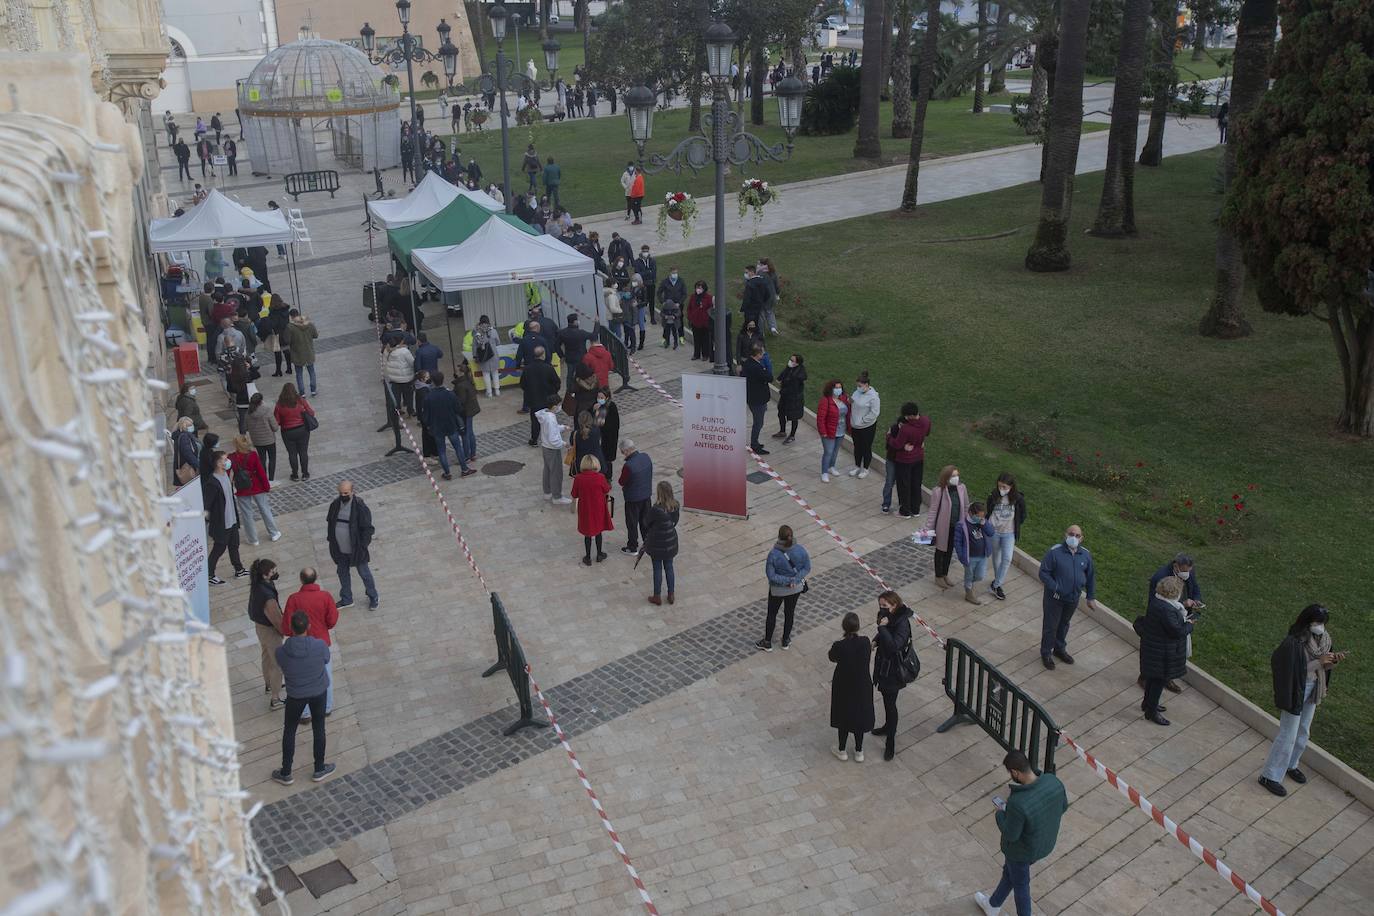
(242, 479)
(483, 351)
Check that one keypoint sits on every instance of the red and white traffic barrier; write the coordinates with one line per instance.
(1132, 795)
(477, 571)
(596, 802)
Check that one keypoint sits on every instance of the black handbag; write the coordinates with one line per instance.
(909, 662)
(311, 422)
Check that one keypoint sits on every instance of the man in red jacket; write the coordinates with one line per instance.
(319, 606)
(601, 361)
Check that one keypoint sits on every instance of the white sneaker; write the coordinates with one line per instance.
(981, 899)
(825, 478)
(854, 472)
(863, 472)
(839, 754)
(858, 756)
(833, 471)
(277, 536)
(562, 501)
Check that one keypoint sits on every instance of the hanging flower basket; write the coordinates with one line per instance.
(755, 194)
(479, 117)
(678, 206)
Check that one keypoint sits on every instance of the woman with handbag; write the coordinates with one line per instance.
(296, 418)
(660, 540)
(851, 688)
(591, 493)
(890, 675)
(1163, 633)
(250, 490)
(787, 567)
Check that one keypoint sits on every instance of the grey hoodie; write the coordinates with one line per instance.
(302, 660)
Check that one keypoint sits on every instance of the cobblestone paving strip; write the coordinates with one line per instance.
(382, 792)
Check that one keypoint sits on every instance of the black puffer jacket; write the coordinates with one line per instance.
(1163, 641)
(661, 540)
(887, 669)
(792, 392)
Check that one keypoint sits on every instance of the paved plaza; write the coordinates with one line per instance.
(711, 759)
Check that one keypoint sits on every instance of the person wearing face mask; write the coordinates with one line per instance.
(1163, 633)
(791, 398)
(786, 569)
(349, 530)
(770, 277)
(755, 294)
(188, 406)
(906, 452)
(851, 688)
(1301, 667)
(832, 418)
(1066, 572)
(221, 512)
(264, 609)
(1029, 824)
(863, 423)
(672, 287)
(620, 272)
(647, 268)
(747, 339)
(757, 377)
(699, 316)
(890, 642)
(1006, 512)
(606, 416)
(1181, 567)
(973, 546)
(948, 503)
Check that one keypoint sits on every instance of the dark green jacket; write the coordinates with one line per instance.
(1030, 825)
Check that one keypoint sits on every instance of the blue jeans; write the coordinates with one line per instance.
(642, 317)
(469, 439)
(346, 581)
(974, 571)
(660, 568)
(889, 482)
(1015, 881)
(830, 447)
(1054, 624)
(1003, 546)
(300, 386)
(758, 412)
(1291, 739)
(456, 440)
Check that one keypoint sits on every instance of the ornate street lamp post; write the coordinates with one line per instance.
(408, 51)
(503, 72)
(722, 143)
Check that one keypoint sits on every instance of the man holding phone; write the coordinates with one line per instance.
(1029, 822)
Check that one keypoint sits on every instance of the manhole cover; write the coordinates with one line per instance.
(502, 468)
(757, 477)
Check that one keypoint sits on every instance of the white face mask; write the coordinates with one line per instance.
(1004, 490)
(1184, 575)
(791, 364)
(1318, 629)
(837, 391)
(191, 392)
(1071, 542)
(954, 480)
(672, 276)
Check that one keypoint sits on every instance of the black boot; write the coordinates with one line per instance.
(641, 340)
(277, 358)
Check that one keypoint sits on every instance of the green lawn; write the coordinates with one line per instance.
(593, 153)
(1111, 347)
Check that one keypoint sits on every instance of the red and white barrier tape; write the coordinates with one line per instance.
(1131, 794)
(596, 802)
(472, 562)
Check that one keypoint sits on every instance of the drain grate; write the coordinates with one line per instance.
(329, 876)
(502, 468)
(286, 882)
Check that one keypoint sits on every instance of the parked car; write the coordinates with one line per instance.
(835, 24)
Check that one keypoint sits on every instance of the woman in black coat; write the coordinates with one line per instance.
(791, 397)
(1163, 645)
(660, 540)
(608, 421)
(894, 632)
(428, 447)
(851, 689)
(221, 513)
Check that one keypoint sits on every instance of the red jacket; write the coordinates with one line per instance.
(828, 417)
(222, 310)
(912, 432)
(637, 186)
(291, 417)
(318, 604)
(599, 358)
(699, 309)
(250, 462)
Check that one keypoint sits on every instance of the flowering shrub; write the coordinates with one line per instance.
(677, 205)
(1218, 517)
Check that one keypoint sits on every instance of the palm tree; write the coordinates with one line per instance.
(1162, 80)
(1049, 251)
(925, 78)
(998, 81)
(901, 73)
(867, 145)
(1116, 212)
(1254, 47)
(980, 56)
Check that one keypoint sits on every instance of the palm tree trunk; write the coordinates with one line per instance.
(544, 10)
(887, 47)
(901, 74)
(758, 68)
(925, 79)
(1048, 49)
(1116, 212)
(1039, 94)
(980, 58)
(867, 145)
(998, 82)
(1199, 39)
(1049, 251)
(1162, 80)
(1225, 317)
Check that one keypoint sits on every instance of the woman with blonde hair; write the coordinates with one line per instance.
(1163, 635)
(591, 493)
(250, 489)
(948, 506)
(660, 540)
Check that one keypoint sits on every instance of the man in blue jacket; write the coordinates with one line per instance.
(302, 659)
(1067, 572)
(637, 486)
(427, 355)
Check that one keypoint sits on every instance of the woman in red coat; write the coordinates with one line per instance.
(832, 419)
(590, 490)
(250, 489)
(699, 306)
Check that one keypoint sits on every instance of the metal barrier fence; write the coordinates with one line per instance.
(984, 696)
(511, 657)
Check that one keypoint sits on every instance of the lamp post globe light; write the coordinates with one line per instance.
(502, 72)
(551, 49)
(408, 51)
(725, 144)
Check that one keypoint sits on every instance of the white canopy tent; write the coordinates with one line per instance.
(492, 265)
(218, 222)
(430, 196)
